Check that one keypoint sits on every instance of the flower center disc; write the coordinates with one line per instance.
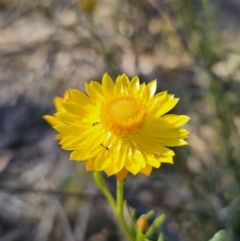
(123, 115)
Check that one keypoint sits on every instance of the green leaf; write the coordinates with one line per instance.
(157, 223)
(140, 236)
(149, 215)
(160, 237)
(132, 218)
(219, 236)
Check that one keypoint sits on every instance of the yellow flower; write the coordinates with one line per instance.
(142, 223)
(53, 120)
(119, 127)
(87, 6)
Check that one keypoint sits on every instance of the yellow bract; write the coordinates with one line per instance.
(142, 224)
(119, 127)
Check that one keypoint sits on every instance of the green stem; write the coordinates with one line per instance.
(104, 188)
(120, 188)
(116, 206)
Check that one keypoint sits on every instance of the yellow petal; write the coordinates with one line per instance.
(72, 108)
(107, 84)
(147, 170)
(66, 117)
(144, 94)
(59, 137)
(111, 170)
(67, 139)
(173, 142)
(58, 103)
(98, 91)
(52, 120)
(165, 122)
(152, 161)
(122, 83)
(102, 161)
(135, 84)
(138, 157)
(167, 107)
(68, 130)
(152, 86)
(150, 147)
(175, 120)
(80, 142)
(134, 168)
(159, 97)
(79, 98)
(74, 156)
(155, 132)
(85, 154)
(174, 133)
(168, 159)
(120, 157)
(93, 93)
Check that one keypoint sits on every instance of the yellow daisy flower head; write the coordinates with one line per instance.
(119, 127)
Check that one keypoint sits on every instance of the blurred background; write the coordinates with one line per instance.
(190, 46)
